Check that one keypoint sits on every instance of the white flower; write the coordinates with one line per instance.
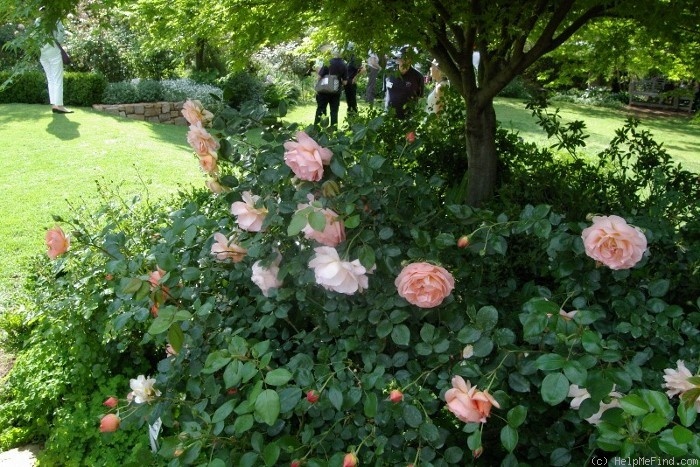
(677, 380)
(143, 390)
(579, 395)
(567, 315)
(266, 278)
(336, 275)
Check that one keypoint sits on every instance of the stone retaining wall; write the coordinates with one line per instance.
(155, 112)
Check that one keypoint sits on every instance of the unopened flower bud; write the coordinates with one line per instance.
(478, 452)
(109, 423)
(178, 452)
(295, 463)
(463, 241)
(395, 396)
(330, 189)
(111, 402)
(350, 460)
(411, 136)
(312, 396)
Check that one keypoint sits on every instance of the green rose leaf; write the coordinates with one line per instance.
(653, 422)
(486, 318)
(517, 416)
(223, 412)
(267, 406)
(509, 438)
(335, 397)
(317, 221)
(297, 223)
(216, 361)
(401, 335)
(176, 337)
(352, 221)
(412, 416)
(634, 405)
(270, 454)
(555, 388)
(278, 377)
(243, 423)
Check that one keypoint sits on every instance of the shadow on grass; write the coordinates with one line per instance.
(63, 128)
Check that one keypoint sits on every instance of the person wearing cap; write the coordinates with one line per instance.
(339, 68)
(373, 68)
(433, 104)
(405, 87)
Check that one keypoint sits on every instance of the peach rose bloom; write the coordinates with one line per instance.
(424, 285)
(194, 112)
(336, 275)
(247, 215)
(306, 158)
(155, 277)
(613, 242)
(225, 248)
(201, 141)
(676, 381)
(109, 423)
(57, 242)
(208, 164)
(468, 404)
(333, 233)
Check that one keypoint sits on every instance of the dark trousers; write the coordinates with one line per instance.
(322, 102)
(351, 97)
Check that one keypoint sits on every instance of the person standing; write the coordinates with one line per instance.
(373, 69)
(52, 62)
(433, 104)
(354, 69)
(339, 68)
(405, 87)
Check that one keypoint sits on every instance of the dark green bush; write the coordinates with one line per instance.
(27, 88)
(83, 89)
(123, 92)
(242, 87)
(517, 88)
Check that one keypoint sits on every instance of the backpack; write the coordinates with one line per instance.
(328, 84)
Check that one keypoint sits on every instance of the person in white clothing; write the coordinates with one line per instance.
(433, 104)
(52, 62)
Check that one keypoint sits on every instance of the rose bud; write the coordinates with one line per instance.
(411, 137)
(109, 423)
(295, 463)
(478, 452)
(395, 396)
(463, 241)
(111, 402)
(350, 460)
(312, 396)
(330, 188)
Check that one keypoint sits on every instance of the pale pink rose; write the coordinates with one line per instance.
(581, 394)
(215, 187)
(201, 141)
(194, 112)
(208, 164)
(676, 381)
(170, 351)
(567, 315)
(109, 423)
(336, 275)
(333, 233)
(424, 285)
(57, 242)
(225, 248)
(306, 158)
(266, 278)
(247, 215)
(613, 242)
(468, 404)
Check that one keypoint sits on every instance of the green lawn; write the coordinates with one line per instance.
(679, 135)
(50, 158)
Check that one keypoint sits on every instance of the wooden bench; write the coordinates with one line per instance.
(662, 94)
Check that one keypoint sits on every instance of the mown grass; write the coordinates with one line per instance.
(51, 160)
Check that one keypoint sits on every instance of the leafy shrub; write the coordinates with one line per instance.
(601, 97)
(242, 87)
(129, 92)
(302, 371)
(27, 88)
(149, 91)
(517, 88)
(123, 92)
(83, 89)
(91, 51)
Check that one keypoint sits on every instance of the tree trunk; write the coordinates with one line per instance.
(481, 152)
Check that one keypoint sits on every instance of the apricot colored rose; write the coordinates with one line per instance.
(208, 164)
(215, 186)
(201, 141)
(111, 402)
(266, 277)
(424, 285)
(613, 242)
(468, 404)
(247, 215)
(306, 157)
(332, 234)
(194, 112)
(57, 242)
(109, 423)
(225, 248)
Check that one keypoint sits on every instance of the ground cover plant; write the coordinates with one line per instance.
(327, 304)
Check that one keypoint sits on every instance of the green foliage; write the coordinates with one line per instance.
(242, 87)
(132, 91)
(80, 89)
(235, 392)
(517, 88)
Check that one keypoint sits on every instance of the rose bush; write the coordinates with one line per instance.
(273, 348)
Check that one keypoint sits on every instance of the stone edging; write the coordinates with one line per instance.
(154, 112)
